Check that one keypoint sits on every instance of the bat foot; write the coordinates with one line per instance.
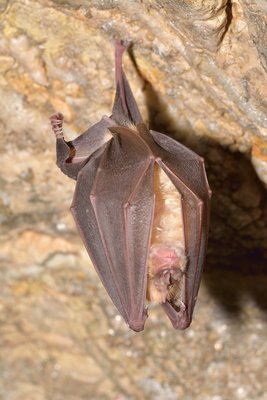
(121, 45)
(57, 124)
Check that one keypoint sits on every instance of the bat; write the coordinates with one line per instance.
(141, 206)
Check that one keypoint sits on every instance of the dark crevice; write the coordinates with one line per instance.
(229, 18)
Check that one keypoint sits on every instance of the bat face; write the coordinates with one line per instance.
(141, 205)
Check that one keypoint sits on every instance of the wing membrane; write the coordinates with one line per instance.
(186, 170)
(114, 199)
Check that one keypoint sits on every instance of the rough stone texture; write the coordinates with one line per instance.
(200, 76)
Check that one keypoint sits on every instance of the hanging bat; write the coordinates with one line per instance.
(141, 205)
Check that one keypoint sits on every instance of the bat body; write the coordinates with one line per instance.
(141, 205)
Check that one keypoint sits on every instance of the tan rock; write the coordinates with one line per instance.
(202, 79)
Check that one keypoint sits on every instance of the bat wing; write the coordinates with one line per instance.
(187, 172)
(113, 208)
(73, 155)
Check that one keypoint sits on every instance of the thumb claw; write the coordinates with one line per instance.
(57, 116)
(56, 123)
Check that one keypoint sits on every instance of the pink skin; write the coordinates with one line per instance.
(166, 268)
(164, 258)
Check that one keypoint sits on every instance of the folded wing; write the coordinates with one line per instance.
(186, 170)
(113, 209)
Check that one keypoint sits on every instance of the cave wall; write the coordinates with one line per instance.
(198, 71)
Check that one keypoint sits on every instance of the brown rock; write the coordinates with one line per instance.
(202, 79)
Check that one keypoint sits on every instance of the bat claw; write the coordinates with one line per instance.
(121, 45)
(57, 115)
(57, 124)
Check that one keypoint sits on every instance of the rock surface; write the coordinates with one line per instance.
(199, 76)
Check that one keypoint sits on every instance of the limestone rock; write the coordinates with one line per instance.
(199, 76)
